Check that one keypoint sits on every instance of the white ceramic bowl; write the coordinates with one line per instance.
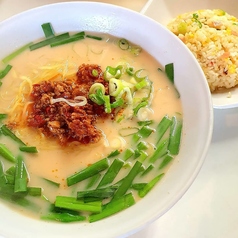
(189, 79)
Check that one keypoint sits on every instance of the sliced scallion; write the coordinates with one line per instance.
(94, 37)
(28, 149)
(123, 44)
(67, 40)
(175, 135)
(5, 71)
(21, 177)
(169, 70)
(7, 154)
(166, 161)
(16, 53)
(49, 41)
(150, 185)
(48, 30)
(7, 132)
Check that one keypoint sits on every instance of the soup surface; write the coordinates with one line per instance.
(56, 161)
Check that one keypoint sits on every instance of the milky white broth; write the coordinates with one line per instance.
(56, 163)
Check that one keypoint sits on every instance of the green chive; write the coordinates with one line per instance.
(52, 182)
(94, 37)
(88, 172)
(48, 30)
(150, 185)
(16, 53)
(7, 154)
(166, 161)
(28, 149)
(5, 71)
(175, 135)
(7, 132)
(169, 70)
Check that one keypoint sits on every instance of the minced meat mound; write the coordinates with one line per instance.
(64, 122)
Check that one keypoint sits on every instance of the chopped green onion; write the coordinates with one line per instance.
(11, 170)
(138, 77)
(145, 131)
(128, 131)
(126, 183)
(113, 153)
(126, 94)
(93, 180)
(111, 173)
(143, 156)
(16, 53)
(160, 151)
(6, 153)
(137, 153)
(10, 179)
(139, 106)
(81, 33)
(48, 30)
(123, 44)
(138, 186)
(97, 86)
(162, 127)
(34, 191)
(150, 185)
(142, 145)
(130, 71)
(74, 204)
(166, 161)
(98, 96)
(98, 193)
(118, 103)
(175, 135)
(52, 182)
(7, 132)
(95, 73)
(63, 217)
(111, 72)
(145, 123)
(88, 172)
(128, 154)
(28, 149)
(143, 83)
(135, 50)
(169, 70)
(5, 71)
(94, 37)
(136, 137)
(107, 105)
(49, 41)
(67, 40)
(115, 87)
(113, 207)
(3, 179)
(3, 116)
(21, 177)
(148, 169)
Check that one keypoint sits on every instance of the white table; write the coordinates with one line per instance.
(209, 209)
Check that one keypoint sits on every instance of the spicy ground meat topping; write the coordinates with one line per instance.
(64, 122)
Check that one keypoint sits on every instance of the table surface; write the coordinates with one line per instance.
(209, 209)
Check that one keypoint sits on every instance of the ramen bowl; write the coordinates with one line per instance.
(189, 81)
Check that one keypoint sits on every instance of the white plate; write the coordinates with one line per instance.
(169, 9)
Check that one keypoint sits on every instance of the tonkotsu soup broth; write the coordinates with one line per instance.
(56, 160)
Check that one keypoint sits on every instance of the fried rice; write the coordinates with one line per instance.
(212, 36)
